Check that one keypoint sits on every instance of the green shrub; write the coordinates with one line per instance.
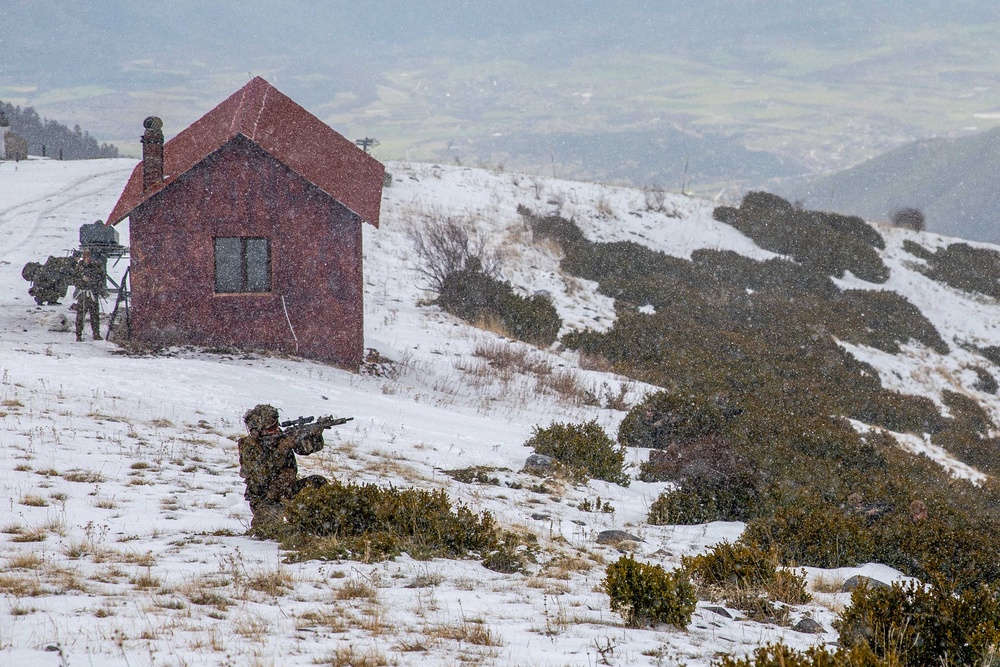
(748, 578)
(583, 447)
(829, 243)
(966, 268)
(814, 532)
(666, 417)
(779, 655)
(966, 434)
(469, 294)
(371, 522)
(644, 593)
(917, 250)
(474, 296)
(882, 319)
(985, 381)
(916, 624)
(747, 565)
(954, 543)
(532, 319)
(699, 500)
(553, 227)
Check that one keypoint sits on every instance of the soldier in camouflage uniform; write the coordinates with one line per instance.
(91, 285)
(267, 464)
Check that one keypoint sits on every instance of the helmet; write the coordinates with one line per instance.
(261, 417)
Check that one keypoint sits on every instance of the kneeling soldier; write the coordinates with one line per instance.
(267, 464)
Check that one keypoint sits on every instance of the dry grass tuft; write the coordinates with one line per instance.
(328, 617)
(353, 589)
(469, 632)
(32, 500)
(270, 582)
(509, 358)
(83, 476)
(822, 584)
(568, 387)
(143, 560)
(25, 561)
(33, 535)
(20, 585)
(145, 581)
(352, 656)
(253, 627)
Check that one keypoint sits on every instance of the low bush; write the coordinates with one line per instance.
(475, 296)
(946, 540)
(966, 268)
(779, 655)
(552, 227)
(702, 499)
(829, 243)
(917, 250)
(369, 522)
(746, 565)
(985, 381)
(583, 447)
(916, 624)
(814, 533)
(908, 218)
(748, 578)
(644, 593)
(674, 417)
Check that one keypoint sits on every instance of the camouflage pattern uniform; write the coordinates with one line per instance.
(49, 281)
(267, 464)
(90, 284)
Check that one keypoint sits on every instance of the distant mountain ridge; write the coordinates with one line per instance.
(53, 139)
(953, 181)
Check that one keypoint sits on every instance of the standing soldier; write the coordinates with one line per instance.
(91, 285)
(267, 464)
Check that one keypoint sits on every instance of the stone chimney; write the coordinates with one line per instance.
(152, 153)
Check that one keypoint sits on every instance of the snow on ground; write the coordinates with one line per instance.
(122, 537)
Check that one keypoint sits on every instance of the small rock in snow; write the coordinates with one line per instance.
(616, 537)
(808, 626)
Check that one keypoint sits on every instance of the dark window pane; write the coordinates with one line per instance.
(258, 266)
(228, 265)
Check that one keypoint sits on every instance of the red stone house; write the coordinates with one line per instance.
(245, 231)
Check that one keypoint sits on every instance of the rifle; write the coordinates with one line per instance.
(302, 427)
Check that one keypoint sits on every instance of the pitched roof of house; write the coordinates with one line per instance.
(295, 137)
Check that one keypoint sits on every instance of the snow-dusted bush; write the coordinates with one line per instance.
(966, 268)
(746, 577)
(644, 593)
(701, 499)
(582, 447)
(476, 297)
(672, 417)
(366, 521)
(829, 243)
(924, 625)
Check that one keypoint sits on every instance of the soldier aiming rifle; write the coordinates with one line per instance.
(268, 466)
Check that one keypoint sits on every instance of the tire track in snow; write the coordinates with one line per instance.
(13, 219)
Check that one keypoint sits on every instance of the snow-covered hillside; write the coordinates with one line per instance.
(122, 540)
